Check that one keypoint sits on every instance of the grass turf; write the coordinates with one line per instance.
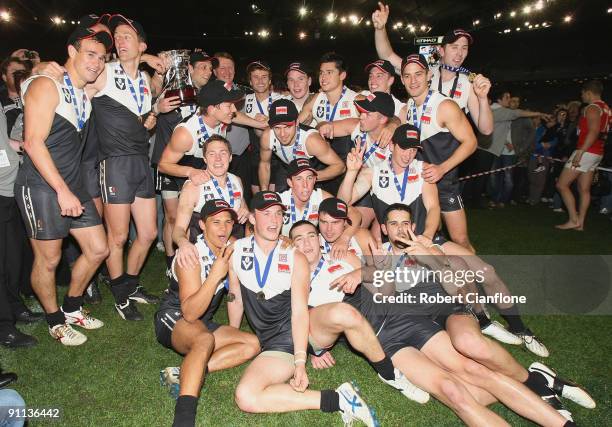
(113, 378)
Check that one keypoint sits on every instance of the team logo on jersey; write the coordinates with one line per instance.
(456, 94)
(205, 258)
(237, 194)
(383, 181)
(284, 268)
(380, 155)
(67, 96)
(286, 219)
(313, 216)
(425, 119)
(39, 225)
(249, 108)
(345, 112)
(320, 111)
(208, 197)
(333, 268)
(112, 190)
(246, 262)
(120, 83)
(282, 257)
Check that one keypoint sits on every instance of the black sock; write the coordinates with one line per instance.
(512, 316)
(330, 401)
(119, 289)
(56, 318)
(185, 411)
(132, 282)
(538, 384)
(384, 368)
(72, 303)
(483, 320)
(569, 424)
(169, 259)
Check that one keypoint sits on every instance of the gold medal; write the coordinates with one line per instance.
(472, 77)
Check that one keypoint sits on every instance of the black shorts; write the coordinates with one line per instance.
(164, 321)
(91, 179)
(450, 202)
(42, 215)
(401, 331)
(279, 175)
(164, 182)
(124, 178)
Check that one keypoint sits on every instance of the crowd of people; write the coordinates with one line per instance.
(282, 204)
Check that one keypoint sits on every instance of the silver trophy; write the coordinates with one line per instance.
(177, 81)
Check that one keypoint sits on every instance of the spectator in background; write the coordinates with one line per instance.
(9, 95)
(522, 134)
(539, 163)
(502, 148)
(559, 132)
(564, 149)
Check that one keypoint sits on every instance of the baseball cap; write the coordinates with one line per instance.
(282, 111)
(336, 208)
(453, 35)
(84, 31)
(258, 65)
(407, 136)
(296, 66)
(118, 19)
(379, 102)
(264, 199)
(382, 65)
(298, 166)
(214, 206)
(216, 91)
(415, 58)
(200, 55)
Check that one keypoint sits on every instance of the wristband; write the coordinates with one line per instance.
(299, 351)
(297, 361)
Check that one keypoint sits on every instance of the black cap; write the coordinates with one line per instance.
(263, 65)
(298, 166)
(200, 55)
(336, 208)
(215, 206)
(382, 65)
(297, 66)
(453, 35)
(379, 102)
(117, 19)
(217, 91)
(407, 136)
(84, 31)
(264, 199)
(415, 58)
(282, 111)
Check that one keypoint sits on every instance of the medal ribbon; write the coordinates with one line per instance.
(261, 281)
(295, 146)
(219, 191)
(370, 151)
(294, 214)
(139, 104)
(79, 113)
(417, 122)
(317, 270)
(330, 117)
(401, 190)
(261, 110)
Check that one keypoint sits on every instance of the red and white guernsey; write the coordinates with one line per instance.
(604, 126)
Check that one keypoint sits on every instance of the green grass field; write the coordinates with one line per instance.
(112, 380)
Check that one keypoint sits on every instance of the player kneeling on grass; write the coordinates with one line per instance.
(184, 321)
(332, 287)
(270, 283)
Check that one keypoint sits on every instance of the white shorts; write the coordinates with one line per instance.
(588, 162)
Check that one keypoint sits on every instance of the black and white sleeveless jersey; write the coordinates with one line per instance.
(296, 150)
(293, 214)
(398, 104)
(268, 307)
(387, 189)
(353, 248)
(63, 142)
(323, 111)
(405, 262)
(166, 122)
(438, 143)
(118, 109)
(373, 154)
(200, 132)
(325, 273)
(460, 86)
(252, 106)
(206, 258)
(231, 191)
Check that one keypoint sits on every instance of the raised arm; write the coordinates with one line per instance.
(381, 39)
